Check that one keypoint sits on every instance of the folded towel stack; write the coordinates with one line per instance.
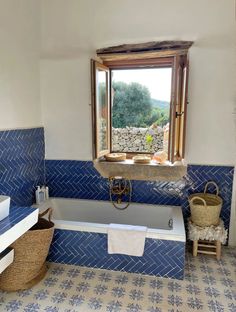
(126, 239)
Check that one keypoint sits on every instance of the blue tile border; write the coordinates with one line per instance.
(161, 257)
(21, 164)
(79, 179)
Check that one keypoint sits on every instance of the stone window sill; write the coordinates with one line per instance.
(150, 172)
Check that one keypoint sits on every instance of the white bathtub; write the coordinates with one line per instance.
(94, 216)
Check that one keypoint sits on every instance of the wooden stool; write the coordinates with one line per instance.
(207, 240)
(207, 247)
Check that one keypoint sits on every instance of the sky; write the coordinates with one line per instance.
(157, 80)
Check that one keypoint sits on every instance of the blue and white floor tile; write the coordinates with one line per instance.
(209, 285)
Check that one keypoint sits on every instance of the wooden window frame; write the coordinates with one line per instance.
(95, 66)
(178, 101)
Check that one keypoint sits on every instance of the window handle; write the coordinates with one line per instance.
(178, 114)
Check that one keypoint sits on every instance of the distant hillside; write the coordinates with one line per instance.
(160, 104)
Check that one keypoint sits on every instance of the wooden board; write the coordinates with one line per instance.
(147, 46)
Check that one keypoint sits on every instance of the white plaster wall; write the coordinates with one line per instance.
(72, 31)
(65, 100)
(19, 63)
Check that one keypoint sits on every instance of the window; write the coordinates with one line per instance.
(139, 103)
(140, 109)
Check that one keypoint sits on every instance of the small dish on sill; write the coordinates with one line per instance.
(141, 159)
(114, 157)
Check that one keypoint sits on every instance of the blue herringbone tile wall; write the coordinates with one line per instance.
(21, 164)
(75, 179)
(161, 257)
(79, 179)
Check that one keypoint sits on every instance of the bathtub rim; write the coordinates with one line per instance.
(177, 233)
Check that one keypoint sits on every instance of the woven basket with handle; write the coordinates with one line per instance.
(30, 253)
(205, 208)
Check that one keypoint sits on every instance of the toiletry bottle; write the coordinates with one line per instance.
(37, 195)
(46, 192)
(42, 195)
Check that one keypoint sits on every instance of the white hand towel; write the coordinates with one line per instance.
(126, 239)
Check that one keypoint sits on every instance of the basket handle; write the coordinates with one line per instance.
(49, 211)
(199, 198)
(216, 186)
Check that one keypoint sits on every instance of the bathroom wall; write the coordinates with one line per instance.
(65, 68)
(19, 64)
(70, 34)
(21, 137)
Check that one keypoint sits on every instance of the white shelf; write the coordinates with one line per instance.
(19, 221)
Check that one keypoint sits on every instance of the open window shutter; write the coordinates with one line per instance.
(100, 109)
(178, 108)
(184, 102)
(173, 109)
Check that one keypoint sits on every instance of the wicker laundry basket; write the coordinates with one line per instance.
(205, 208)
(31, 251)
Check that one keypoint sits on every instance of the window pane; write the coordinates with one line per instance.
(102, 113)
(141, 109)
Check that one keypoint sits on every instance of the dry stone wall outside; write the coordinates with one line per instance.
(131, 139)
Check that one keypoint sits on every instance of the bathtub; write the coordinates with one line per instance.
(81, 236)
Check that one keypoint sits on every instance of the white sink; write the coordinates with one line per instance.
(4, 206)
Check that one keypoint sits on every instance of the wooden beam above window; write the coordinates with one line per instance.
(150, 49)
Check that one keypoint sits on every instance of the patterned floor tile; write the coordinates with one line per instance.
(209, 285)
